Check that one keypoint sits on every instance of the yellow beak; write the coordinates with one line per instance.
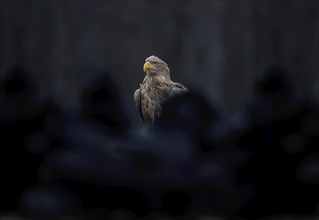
(148, 66)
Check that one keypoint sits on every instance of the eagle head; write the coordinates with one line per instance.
(154, 65)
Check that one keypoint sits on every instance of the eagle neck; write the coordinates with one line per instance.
(158, 79)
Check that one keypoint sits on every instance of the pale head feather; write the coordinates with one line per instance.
(154, 59)
(162, 67)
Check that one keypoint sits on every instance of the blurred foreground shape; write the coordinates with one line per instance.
(197, 162)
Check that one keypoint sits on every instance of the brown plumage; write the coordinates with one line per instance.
(155, 89)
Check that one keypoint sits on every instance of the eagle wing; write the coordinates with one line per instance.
(137, 98)
(138, 101)
(177, 89)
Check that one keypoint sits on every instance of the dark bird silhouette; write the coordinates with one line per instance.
(26, 135)
(103, 106)
(279, 140)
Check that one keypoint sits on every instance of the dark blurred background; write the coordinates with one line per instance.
(242, 145)
(221, 47)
